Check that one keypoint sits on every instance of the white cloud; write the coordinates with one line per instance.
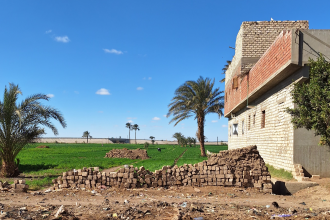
(49, 31)
(155, 118)
(165, 116)
(113, 51)
(50, 95)
(103, 91)
(149, 78)
(224, 126)
(64, 39)
(130, 121)
(214, 121)
(139, 88)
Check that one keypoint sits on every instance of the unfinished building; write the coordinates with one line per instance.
(269, 57)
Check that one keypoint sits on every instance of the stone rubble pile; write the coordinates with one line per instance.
(17, 186)
(240, 167)
(125, 153)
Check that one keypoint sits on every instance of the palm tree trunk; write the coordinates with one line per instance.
(200, 122)
(135, 136)
(9, 168)
(129, 135)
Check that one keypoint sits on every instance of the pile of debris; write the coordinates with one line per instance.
(240, 167)
(42, 146)
(17, 187)
(125, 153)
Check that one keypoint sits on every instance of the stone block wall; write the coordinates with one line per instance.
(240, 167)
(275, 140)
(254, 38)
(259, 35)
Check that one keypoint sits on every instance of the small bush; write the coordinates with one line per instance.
(146, 145)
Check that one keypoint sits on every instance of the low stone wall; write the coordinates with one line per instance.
(240, 167)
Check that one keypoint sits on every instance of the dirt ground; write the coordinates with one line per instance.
(172, 203)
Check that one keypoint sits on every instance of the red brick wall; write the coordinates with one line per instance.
(273, 59)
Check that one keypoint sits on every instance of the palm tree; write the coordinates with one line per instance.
(129, 126)
(152, 139)
(224, 70)
(177, 136)
(135, 127)
(183, 141)
(190, 141)
(20, 124)
(87, 135)
(196, 98)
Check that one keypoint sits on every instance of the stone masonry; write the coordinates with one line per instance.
(275, 140)
(263, 50)
(253, 39)
(240, 167)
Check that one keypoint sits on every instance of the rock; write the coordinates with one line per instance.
(60, 211)
(197, 190)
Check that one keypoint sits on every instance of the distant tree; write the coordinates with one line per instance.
(129, 126)
(20, 124)
(183, 141)
(311, 99)
(194, 141)
(177, 136)
(146, 145)
(87, 135)
(152, 139)
(196, 98)
(190, 141)
(135, 127)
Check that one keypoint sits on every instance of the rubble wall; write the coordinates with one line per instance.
(242, 167)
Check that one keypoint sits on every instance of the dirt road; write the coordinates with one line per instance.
(172, 203)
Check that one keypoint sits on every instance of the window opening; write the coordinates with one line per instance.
(235, 82)
(243, 127)
(235, 129)
(249, 122)
(263, 119)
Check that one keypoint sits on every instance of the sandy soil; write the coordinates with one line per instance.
(172, 203)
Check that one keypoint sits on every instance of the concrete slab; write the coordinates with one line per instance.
(289, 188)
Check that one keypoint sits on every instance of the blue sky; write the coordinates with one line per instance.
(108, 62)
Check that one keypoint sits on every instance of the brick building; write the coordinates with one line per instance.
(269, 57)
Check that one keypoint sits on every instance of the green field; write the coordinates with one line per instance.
(51, 162)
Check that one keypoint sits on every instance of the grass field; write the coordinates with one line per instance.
(48, 163)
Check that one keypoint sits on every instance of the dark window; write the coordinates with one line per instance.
(254, 119)
(263, 119)
(249, 122)
(235, 129)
